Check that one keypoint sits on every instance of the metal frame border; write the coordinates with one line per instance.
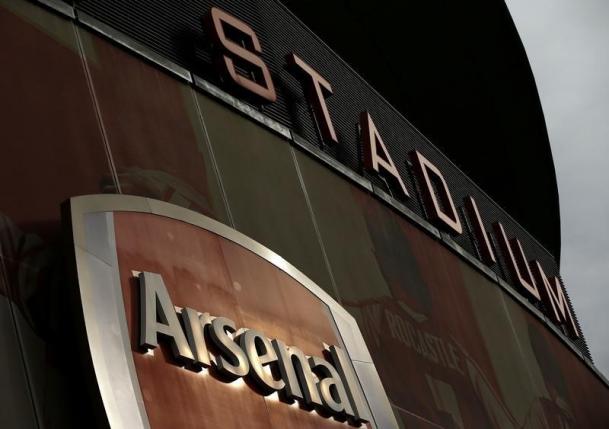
(108, 339)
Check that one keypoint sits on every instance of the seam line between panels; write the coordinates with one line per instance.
(315, 226)
(212, 157)
(532, 382)
(18, 336)
(416, 416)
(98, 112)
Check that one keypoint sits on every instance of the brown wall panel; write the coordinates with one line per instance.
(153, 128)
(569, 392)
(51, 144)
(51, 149)
(343, 228)
(427, 320)
(263, 190)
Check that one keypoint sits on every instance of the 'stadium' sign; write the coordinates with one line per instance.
(191, 324)
(238, 57)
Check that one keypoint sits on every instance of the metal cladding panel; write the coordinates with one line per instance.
(468, 355)
(51, 148)
(558, 377)
(175, 31)
(263, 190)
(153, 129)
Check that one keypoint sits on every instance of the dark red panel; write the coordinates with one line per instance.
(50, 139)
(154, 130)
(50, 149)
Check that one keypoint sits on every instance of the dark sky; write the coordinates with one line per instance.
(567, 42)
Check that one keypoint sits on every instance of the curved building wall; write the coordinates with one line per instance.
(455, 346)
(173, 34)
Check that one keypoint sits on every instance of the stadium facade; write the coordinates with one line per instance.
(209, 219)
